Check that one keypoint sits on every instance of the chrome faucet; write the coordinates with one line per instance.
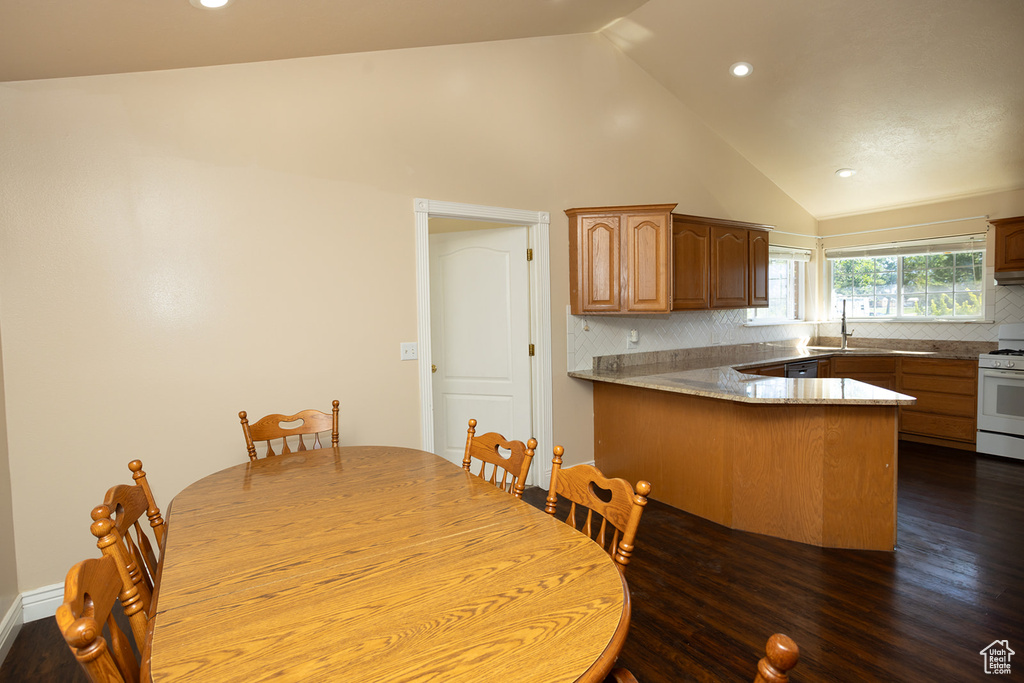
(843, 334)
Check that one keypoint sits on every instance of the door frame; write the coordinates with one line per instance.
(538, 223)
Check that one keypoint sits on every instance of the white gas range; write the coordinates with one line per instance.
(1001, 395)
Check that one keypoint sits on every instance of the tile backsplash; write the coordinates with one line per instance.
(604, 335)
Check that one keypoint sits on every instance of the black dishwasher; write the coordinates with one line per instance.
(805, 369)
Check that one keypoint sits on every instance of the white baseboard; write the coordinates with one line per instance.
(41, 602)
(9, 627)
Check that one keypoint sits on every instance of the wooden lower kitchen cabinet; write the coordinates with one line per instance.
(773, 370)
(946, 412)
(823, 474)
(877, 370)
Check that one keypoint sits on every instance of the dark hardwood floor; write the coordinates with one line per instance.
(706, 598)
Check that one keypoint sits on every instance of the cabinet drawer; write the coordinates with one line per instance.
(879, 379)
(943, 404)
(941, 426)
(938, 366)
(844, 365)
(962, 386)
(778, 370)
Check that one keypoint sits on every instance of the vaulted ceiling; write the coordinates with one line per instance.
(923, 98)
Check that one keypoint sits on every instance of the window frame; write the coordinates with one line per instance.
(900, 251)
(798, 260)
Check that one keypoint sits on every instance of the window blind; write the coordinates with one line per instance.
(789, 253)
(911, 248)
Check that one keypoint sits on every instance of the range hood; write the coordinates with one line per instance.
(1010, 277)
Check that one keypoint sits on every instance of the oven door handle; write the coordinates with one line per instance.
(1013, 374)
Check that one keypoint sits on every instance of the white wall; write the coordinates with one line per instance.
(8, 560)
(178, 246)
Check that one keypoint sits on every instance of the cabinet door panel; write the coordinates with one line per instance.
(879, 379)
(843, 365)
(690, 254)
(758, 247)
(729, 254)
(941, 426)
(944, 404)
(599, 244)
(963, 386)
(646, 267)
(948, 367)
(1009, 245)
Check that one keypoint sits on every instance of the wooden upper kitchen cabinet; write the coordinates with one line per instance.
(946, 411)
(691, 267)
(718, 263)
(730, 250)
(646, 259)
(1009, 246)
(757, 241)
(620, 259)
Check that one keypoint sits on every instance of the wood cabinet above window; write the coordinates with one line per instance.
(718, 263)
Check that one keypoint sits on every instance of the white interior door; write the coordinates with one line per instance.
(480, 336)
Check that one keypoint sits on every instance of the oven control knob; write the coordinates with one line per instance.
(997, 364)
(1009, 363)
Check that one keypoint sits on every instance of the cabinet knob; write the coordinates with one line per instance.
(433, 368)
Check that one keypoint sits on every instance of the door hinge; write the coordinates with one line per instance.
(531, 349)
(529, 254)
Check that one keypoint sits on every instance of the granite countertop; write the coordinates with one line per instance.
(717, 372)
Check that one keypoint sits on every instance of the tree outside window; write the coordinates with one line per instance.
(938, 285)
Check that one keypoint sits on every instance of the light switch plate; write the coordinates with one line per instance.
(409, 351)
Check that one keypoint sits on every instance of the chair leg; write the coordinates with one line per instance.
(620, 675)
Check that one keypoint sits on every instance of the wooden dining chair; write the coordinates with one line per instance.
(781, 655)
(156, 522)
(614, 500)
(487, 449)
(90, 591)
(119, 534)
(272, 427)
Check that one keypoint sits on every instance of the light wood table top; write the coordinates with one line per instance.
(378, 564)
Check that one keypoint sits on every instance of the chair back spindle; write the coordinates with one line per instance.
(152, 511)
(269, 428)
(120, 536)
(507, 472)
(614, 501)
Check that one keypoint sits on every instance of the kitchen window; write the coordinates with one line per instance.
(786, 286)
(925, 280)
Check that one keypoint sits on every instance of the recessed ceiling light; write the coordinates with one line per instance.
(209, 4)
(740, 69)
(846, 173)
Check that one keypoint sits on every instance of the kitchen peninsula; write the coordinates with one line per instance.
(809, 460)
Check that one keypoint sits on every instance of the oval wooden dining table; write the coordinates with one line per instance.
(378, 564)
